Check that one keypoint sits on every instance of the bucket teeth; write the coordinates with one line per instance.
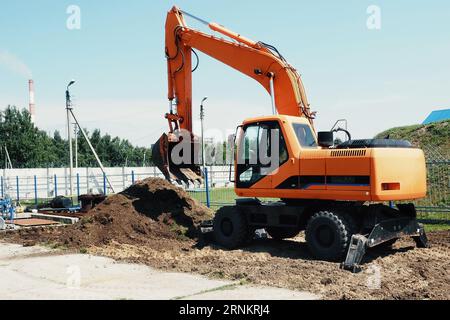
(191, 175)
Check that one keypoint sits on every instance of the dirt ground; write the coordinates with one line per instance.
(155, 223)
(405, 271)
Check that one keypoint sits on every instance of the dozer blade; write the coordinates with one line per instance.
(185, 172)
(406, 225)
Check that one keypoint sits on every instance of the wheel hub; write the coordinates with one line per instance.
(325, 236)
(226, 227)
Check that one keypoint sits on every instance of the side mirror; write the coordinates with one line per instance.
(326, 139)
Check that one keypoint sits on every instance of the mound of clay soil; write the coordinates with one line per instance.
(149, 209)
(152, 208)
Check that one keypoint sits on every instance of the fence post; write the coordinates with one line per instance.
(35, 191)
(56, 185)
(47, 179)
(132, 176)
(78, 186)
(208, 203)
(17, 188)
(124, 179)
(104, 184)
(87, 179)
(3, 194)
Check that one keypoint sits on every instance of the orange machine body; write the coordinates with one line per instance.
(366, 174)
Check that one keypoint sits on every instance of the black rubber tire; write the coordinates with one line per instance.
(328, 235)
(280, 233)
(230, 228)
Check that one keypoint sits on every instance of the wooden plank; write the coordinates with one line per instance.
(33, 222)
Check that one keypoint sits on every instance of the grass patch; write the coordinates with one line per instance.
(436, 227)
(55, 245)
(434, 134)
(218, 274)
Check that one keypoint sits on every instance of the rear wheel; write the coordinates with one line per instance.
(280, 233)
(230, 228)
(328, 235)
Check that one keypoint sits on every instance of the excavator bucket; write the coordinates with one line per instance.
(186, 172)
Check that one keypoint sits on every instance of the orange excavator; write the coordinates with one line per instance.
(336, 193)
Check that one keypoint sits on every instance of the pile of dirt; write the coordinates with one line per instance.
(149, 209)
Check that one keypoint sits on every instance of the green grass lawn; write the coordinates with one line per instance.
(217, 195)
(437, 227)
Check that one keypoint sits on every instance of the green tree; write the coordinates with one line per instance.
(30, 147)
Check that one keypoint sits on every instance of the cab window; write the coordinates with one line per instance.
(305, 135)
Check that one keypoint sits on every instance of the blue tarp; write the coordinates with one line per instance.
(438, 115)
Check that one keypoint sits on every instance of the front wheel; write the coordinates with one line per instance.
(230, 228)
(328, 235)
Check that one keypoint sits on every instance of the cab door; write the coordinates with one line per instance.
(312, 159)
(259, 155)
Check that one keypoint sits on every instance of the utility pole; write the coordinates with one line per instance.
(202, 117)
(85, 136)
(69, 135)
(8, 164)
(75, 130)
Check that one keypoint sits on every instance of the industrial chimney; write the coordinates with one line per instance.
(32, 109)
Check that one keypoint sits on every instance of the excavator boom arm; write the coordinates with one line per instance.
(257, 60)
(254, 59)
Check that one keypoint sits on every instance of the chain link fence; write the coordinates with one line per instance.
(436, 206)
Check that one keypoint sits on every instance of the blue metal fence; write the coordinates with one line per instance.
(214, 193)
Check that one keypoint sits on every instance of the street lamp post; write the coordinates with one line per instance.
(69, 135)
(202, 117)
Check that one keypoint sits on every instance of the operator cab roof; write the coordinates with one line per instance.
(283, 118)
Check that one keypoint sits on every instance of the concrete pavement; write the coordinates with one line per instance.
(41, 273)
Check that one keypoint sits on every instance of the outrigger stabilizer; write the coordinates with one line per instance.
(383, 232)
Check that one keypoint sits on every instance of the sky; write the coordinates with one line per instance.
(378, 78)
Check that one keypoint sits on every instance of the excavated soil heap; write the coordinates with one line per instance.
(149, 209)
(152, 208)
